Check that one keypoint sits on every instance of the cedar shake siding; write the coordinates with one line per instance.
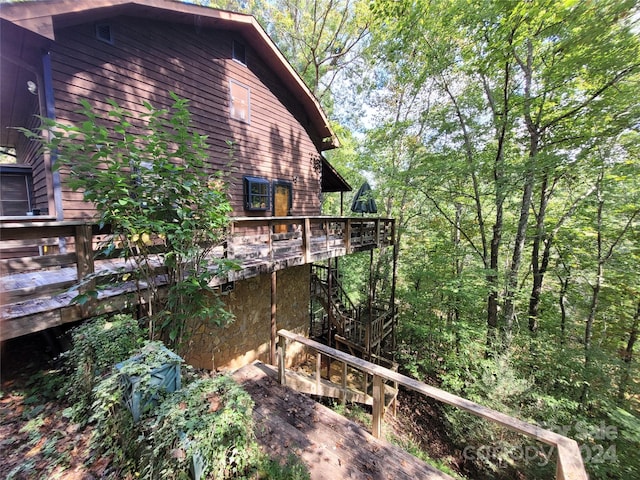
(147, 59)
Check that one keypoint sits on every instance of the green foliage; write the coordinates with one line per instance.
(411, 445)
(114, 431)
(206, 426)
(210, 419)
(272, 469)
(97, 346)
(148, 176)
(353, 412)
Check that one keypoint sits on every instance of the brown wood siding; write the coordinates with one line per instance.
(29, 153)
(150, 58)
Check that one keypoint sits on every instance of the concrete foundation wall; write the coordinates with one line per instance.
(248, 337)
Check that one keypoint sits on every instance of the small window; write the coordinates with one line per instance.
(240, 101)
(256, 194)
(103, 33)
(16, 191)
(239, 52)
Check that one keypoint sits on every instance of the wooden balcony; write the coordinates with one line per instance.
(43, 261)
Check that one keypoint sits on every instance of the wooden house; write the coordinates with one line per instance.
(243, 93)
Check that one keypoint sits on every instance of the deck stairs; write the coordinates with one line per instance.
(358, 330)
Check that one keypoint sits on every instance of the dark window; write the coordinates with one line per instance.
(256, 194)
(239, 52)
(16, 190)
(103, 33)
(240, 101)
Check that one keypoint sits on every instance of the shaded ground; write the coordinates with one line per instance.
(37, 439)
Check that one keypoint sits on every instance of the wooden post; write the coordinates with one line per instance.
(306, 240)
(230, 243)
(330, 301)
(318, 367)
(326, 238)
(378, 406)
(344, 382)
(85, 264)
(282, 357)
(347, 236)
(270, 240)
(274, 284)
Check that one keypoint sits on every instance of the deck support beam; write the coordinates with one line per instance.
(274, 310)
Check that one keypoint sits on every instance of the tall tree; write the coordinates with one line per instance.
(525, 87)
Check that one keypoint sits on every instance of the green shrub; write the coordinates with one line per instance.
(97, 346)
(210, 421)
(206, 425)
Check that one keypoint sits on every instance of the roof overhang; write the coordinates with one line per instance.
(332, 181)
(20, 62)
(41, 17)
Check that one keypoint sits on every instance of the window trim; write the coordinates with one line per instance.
(248, 182)
(102, 38)
(231, 109)
(26, 172)
(235, 52)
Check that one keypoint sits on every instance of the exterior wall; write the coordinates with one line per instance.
(150, 58)
(248, 337)
(29, 153)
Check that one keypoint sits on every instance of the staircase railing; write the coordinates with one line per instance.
(569, 460)
(322, 273)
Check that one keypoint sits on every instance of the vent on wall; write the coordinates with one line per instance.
(104, 33)
(239, 52)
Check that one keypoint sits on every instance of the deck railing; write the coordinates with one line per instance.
(569, 460)
(40, 260)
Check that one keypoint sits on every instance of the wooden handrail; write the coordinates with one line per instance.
(26, 307)
(569, 467)
(251, 237)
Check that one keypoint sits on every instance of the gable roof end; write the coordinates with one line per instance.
(39, 17)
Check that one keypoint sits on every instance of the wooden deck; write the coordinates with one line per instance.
(34, 290)
(331, 446)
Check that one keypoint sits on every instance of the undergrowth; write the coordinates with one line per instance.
(203, 430)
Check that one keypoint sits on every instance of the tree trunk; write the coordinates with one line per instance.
(564, 286)
(588, 329)
(627, 356)
(538, 270)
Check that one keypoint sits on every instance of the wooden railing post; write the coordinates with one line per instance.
(326, 238)
(230, 244)
(378, 406)
(270, 240)
(347, 236)
(306, 240)
(282, 356)
(85, 264)
(344, 383)
(318, 368)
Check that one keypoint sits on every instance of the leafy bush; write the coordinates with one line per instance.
(205, 427)
(208, 422)
(97, 346)
(149, 178)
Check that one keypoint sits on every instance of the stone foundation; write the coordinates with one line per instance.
(248, 337)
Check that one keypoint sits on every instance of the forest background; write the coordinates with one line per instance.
(504, 138)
